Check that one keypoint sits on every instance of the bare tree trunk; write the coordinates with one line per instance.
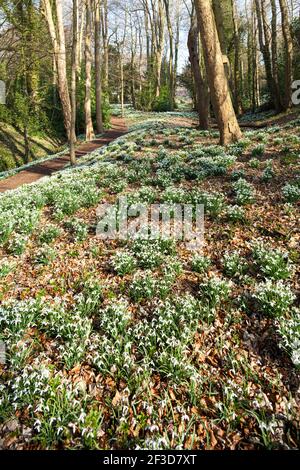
(58, 42)
(237, 77)
(275, 56)
(201, 88)
(82, 25)
(171, 57)
(223, 108)
(88, 73)
(122, 83)
(288, 45)
(73, 83)
(104, 19)
(132, 63)
(160, 25)
(264, 46)
(177, 41)
(99, 120)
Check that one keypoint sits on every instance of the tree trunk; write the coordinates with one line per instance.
(104, 19)
(59, 49)
(237, 77)
(81, 34)
(201, 88)
(288, 45)
(160, 25)
(264, 47)
(221, 100)
(171, 57)
(177, 41)
(275, 57)
(99, 120)
(89, 130)
(73, 83)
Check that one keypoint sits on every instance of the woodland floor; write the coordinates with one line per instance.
(128, 344)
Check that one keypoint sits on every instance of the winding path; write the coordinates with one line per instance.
(47, 168)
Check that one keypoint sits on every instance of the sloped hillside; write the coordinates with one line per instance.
(12, 148)
(143, 343)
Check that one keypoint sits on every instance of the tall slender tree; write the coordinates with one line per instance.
(74, 83)
(98, 71)
(57, 35)
(200, 85)
(220, 95)
(89, 129)
(288, 46)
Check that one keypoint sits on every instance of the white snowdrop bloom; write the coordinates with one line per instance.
(73, 427)
(37, 425)
(185, 417)
(153, 428)
(82, 417)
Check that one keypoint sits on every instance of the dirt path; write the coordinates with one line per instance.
(49, 167)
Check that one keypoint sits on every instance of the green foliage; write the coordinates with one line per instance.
(49, 234)
(259, 150)
(234, 265)
(78, 229)
(145, 286)
(123, 263)
(289, 331)
(45, 256)
(235, 213)
(291, 192)
(254, 163)
(245, 192)
(215, 291)
(273, 299)
(163, 102)
(268, 173)
(273, 264)
(200, 264)
(17, 244)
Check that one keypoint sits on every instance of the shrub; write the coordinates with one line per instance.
(163, 102)
(245, 192)
(274, 299)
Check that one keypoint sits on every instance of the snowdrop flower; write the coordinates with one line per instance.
(37, 425)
